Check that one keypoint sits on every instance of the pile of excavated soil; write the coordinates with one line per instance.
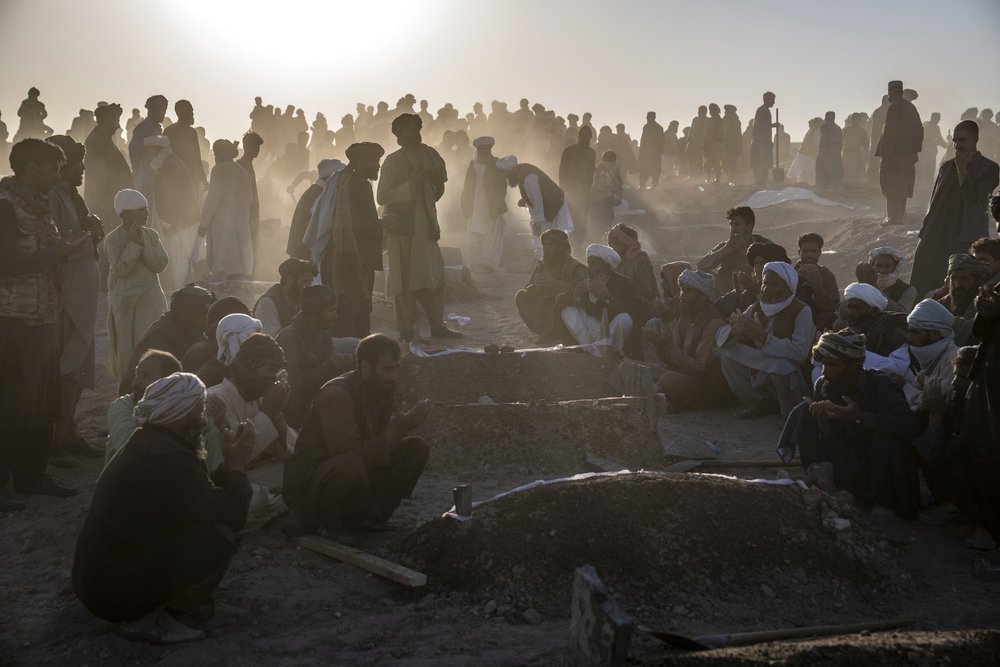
(505, 378)
(693, 553)
(542, 439)
(909, 649)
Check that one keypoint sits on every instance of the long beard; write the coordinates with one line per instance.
(961, 300)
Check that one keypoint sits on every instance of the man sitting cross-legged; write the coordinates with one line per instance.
(605, 291)
(686, 346)
(550, 287)
(764, 349)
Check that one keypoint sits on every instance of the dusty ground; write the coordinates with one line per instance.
(282, 605)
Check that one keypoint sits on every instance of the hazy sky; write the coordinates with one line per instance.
(615, 59)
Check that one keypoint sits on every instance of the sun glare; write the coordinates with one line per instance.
(300, 38)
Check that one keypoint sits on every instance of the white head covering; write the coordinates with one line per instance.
(157, 140)
(327, 168)
(929, 315)
(703, 281)
(886, 280)
(787, 273)
(233, 329)
(507, 163)
(130, 200)
(169, 399)
(605, 253)
(479, 142)
(868, 293)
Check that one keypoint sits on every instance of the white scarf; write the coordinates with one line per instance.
(772, 309)
(928, 356)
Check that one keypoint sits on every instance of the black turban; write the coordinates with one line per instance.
(316, 297)
(365, 150)
(72, 148)
(294, 267)
(404, 120)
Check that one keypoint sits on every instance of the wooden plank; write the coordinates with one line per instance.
(365, 561)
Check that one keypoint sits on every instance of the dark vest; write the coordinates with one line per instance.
(286, 311)
(552, 194)
(784, 322)
(895, 292)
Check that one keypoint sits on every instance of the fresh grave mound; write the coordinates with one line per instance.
(695, 553)
(505, 378)
(544, 439)
(898, 649)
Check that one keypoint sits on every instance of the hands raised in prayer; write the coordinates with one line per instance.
(273, 402)
(865, 273)
(825, 411)
(237, 446)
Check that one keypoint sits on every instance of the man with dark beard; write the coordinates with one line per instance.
(550, 287)
(278, 305)
(355, 250)
(693, 379)
(160, 532)
(79, 290)
(864, 307)
(412, 182)
(308, 348)
(957, 213)
(353, 462)
(176, 330)
(860, 422)
(966, 275)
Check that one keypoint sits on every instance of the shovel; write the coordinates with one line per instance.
(777, 173)
(708, 642)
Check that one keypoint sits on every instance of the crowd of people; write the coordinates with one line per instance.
(232, 413)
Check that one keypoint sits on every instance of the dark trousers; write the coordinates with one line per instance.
(354, 318)
(874, 467)
(179, 571)
(24, 453)
(346, 493)
(982, 500)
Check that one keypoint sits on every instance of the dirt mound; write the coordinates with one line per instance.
(505, 378)
(687, 552)
(978, 647)
(544, 440)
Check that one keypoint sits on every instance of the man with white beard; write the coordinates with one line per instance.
(763, 349)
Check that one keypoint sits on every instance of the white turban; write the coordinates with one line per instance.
(156, 140)
(130, 200)
(169, 399)
(874, 253)
(786, 272)
(703, 281)
(327, 168)
(479, 142)
(929, 315)
(605, 253)
(231, 332)
(868, 293)
(507, 163)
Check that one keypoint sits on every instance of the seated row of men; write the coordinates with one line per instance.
(744, 332)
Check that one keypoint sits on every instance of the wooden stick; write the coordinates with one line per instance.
(365, 561)
(742, 638)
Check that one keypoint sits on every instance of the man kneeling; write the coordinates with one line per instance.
(353, 463)
(160, 532)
